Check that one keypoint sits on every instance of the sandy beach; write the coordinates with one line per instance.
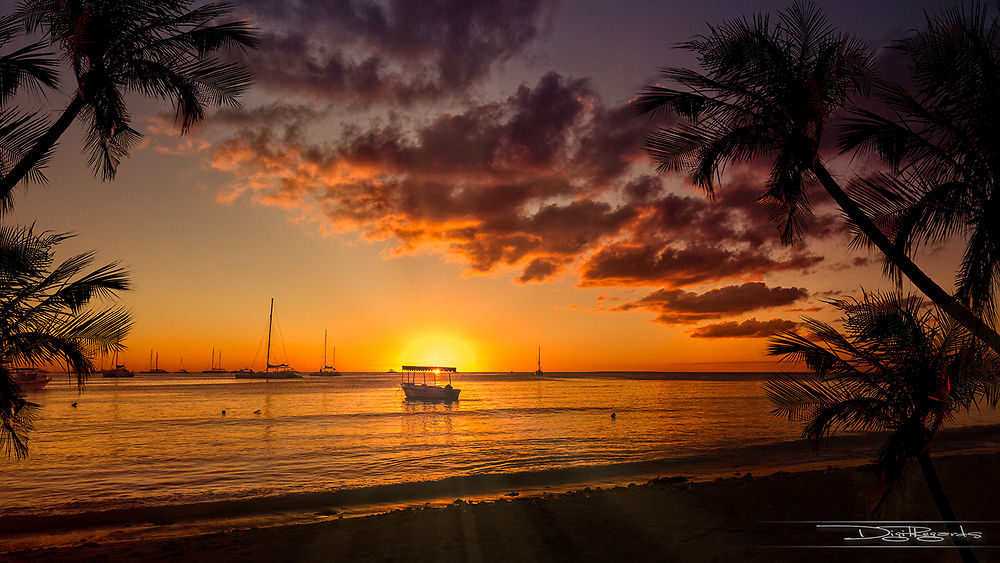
(737, 518)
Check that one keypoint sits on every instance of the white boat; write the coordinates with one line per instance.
(327, 370)
(424, 392)
(539, 370)
(271, 371)
(30, 379)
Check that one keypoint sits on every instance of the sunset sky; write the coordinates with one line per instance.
(453, 184)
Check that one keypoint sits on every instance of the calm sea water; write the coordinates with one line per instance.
(163, 439)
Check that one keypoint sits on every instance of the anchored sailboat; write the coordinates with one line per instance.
(327, 370)
(271, 371)
(215, 367)
(539, 370)
(154, 367)
(118, 371)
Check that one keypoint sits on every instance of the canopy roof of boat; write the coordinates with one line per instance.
(429, 368)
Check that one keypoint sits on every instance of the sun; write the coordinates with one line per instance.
(439, 349)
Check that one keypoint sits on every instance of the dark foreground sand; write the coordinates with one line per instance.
(733, 519)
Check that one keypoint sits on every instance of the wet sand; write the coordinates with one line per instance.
(738, 518)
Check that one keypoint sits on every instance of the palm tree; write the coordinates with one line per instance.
(900, 368)
(157, 48)
(28, 67)
(45, 318)
(942, 147)
(768, 93)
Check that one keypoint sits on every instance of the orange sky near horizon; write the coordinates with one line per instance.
(382, 223)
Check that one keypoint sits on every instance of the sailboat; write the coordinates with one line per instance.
(181, 369)
(539, 370)
(118, 371)
(271, 371)
(327, 370)
(213, 367)
(155, 369)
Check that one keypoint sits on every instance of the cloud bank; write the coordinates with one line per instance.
(398, 51)
(549, 183)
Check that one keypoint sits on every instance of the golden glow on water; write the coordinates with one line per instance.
(166, 439)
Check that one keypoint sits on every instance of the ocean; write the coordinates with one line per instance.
(164, 439)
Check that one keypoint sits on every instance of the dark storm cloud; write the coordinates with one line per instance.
(751, 328)
(398, 51)
(539, 269)
(658, 262)
(676, 306)
(495, 184)
(685, 240)
(521, 183)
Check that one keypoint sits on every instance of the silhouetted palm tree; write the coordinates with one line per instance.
(29, 67)
(44, 318)
(942, 144)
(156, 48)
(769, 91)
(899, 368)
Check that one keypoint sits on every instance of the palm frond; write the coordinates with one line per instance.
(941, 143)
(767, 90)
(898, 367)
(16, 417)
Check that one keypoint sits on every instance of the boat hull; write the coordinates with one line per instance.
(424, 392)
(269, 375)
(31, 379)
(119, 371)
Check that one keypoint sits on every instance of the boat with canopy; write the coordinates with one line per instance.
(423, 391)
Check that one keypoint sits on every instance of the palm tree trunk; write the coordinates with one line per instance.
(39, 150)
(944, 507)
(894, 254)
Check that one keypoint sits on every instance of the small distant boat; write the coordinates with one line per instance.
(423, 391)
(30, 379)
(327, 370)
(539, 370)
(181, 369)
(271, 371)
(213, 367)
(118, 371)
(155, 369)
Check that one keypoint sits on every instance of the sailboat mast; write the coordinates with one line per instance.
(157, 360)
(212, 364)
(539, 358)
(270, 315)
(324, 347)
